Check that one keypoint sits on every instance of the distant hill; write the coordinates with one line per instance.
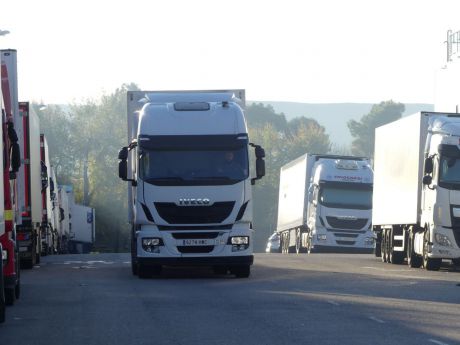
(334, 116)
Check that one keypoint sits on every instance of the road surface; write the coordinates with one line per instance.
(289, 299)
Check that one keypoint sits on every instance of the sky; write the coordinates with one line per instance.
(323, 51)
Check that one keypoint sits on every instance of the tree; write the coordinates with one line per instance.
(363, 131)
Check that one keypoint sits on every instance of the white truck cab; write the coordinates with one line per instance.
(190, 200)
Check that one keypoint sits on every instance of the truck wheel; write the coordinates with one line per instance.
(378, 249)
(413, 260)
(456, 262)
(384, 246)
(241, 271)
(430, 264)
(134, 266)
(10, 296)
(143, 271)
(2, 295)
(298, 242)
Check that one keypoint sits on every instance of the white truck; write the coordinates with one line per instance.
(29, 187)
(416, 199)
(189, 198)
(325, 204)
(83, 230)
(64, 219)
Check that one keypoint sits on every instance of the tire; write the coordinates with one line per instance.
(10, 296)
(456, 262)
(378, 249)
(2, 295)
(220, 270)
(27, 264)
(241, 271)
(430, 264)
(413, 259)
(384, 246)
(298, 242)
(143, 271)
(134, 266)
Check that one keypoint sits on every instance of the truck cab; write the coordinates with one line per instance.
(190, 197)
(340, 205)
(441, 192)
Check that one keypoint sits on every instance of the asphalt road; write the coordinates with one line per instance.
(289, 299)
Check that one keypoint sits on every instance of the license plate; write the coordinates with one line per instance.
(196, 242)
(23, 249)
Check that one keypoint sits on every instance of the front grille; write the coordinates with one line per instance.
(346, 243)
(195, 249)
(193, 228)
(174, 214)
(194, 235)
(345, 235)
(355, 224)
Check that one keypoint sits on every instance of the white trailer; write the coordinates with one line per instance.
(190, 199)
(30, 179)
(325, 204)
(64, 219)
(416, 199)
(2, 223)
(83, 230)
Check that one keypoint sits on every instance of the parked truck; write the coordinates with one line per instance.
(29, 232)
(11, 161)
(64, 220)
(325, 203)
(83, 229)
(416, 200)
(47, 227)
(189, 199)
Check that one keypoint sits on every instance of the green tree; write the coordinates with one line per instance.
(363, 131)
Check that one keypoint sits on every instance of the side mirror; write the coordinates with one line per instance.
(260, 168)
(15, 157)
(260, 152)
(310, 194)
(427, 180)
(123, 169)
(44, 176)
(61, 214)
(428, 165)
(123, 153)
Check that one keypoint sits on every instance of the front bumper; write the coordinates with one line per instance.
(198, 261)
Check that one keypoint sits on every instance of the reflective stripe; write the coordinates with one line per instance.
(8, 215)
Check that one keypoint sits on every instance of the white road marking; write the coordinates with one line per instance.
(333, 302)
(434, 341)
(373, 318)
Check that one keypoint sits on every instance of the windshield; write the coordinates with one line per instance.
(346, 197)
(193, 167)
(449, 172)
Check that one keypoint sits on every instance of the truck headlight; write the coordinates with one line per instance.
(239, 243)
(443, 240)
(152, 245)
(369, 241)
(4, 255)
(321, 237)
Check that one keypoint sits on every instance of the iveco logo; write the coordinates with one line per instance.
(194, 202)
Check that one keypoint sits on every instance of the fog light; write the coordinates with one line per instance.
(240, 240)
(239, 243)
(321, 237)
(443, 240)
(369, 241)
(152, 245)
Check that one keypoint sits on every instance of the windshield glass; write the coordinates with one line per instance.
(193, 167)
(340, 197)
(449, 170)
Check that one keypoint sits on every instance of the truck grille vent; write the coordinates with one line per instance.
(195, 249)
(174, 214)
(194, 235)
(345, 235)
(346, 243)
(338, 223)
